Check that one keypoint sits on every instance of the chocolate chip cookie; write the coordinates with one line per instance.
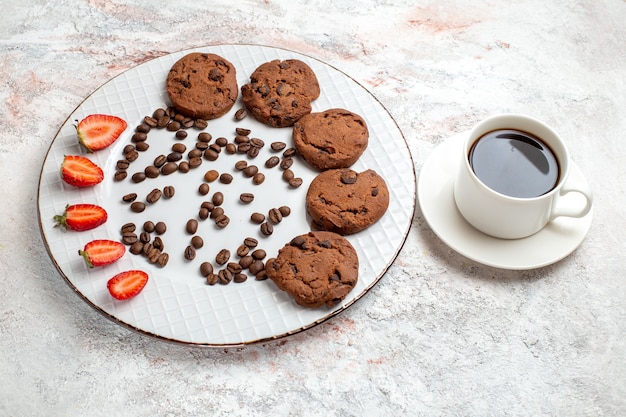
(280, 92)
(334, 138)
(202, 86)
(345, 201)
(316, 269)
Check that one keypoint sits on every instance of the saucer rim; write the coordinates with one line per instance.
(433, 190)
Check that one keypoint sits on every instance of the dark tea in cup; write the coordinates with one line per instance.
(513, 178)
(514, 163)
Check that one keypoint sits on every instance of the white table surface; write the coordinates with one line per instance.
(440, 335)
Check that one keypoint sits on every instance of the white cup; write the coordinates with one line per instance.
(508, 217)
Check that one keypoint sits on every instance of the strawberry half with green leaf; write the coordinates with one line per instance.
(81, 217)
(102, 252)
(127, 284)
(80, 172)
(98, 131)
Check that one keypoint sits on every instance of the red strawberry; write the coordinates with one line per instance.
(102, 252)
(97, 131)
(80, 171)
(127, 284)
(81, 217)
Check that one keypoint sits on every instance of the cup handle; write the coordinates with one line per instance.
(573, 211)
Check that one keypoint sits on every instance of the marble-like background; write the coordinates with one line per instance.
(439, 335)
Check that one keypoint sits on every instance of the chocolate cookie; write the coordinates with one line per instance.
(334, 138)
(202, 86)
(345, 202)
(316, 269)
(280, 92)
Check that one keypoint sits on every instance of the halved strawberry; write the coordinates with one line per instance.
(97, 131)
(127, 284)
(81, 217)
(80, 172)
(102, 252)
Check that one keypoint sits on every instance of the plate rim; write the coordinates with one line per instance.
(286, 334)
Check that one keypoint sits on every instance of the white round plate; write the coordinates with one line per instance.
(435, 194)
(177, 304)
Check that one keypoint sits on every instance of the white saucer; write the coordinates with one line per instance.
(435, 195)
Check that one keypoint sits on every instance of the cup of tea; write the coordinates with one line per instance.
(514, 179)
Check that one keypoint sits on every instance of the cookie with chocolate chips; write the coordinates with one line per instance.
(202, 86)
(334, 138)
(345, 201)
(316, 269)
(280, 92)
